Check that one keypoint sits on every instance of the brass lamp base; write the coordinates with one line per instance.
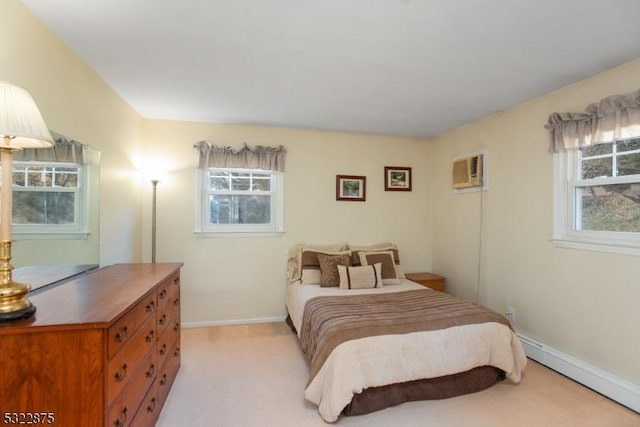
(14, 304)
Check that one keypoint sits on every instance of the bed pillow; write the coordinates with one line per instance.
(310, 265)
(294, 257)
(390, 275)
(360, 277)
(329, 268)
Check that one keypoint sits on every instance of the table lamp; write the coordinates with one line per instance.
(21, 126)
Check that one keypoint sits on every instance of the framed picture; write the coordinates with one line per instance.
(397, 178)
(351, 188)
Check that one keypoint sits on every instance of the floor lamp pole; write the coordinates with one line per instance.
(154, 183)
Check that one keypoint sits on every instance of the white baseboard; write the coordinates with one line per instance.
(615, 388)
(232, 322)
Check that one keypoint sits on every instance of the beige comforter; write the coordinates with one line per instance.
(342, 365)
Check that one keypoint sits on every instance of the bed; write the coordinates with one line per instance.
(377, 339)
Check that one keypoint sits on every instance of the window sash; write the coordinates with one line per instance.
(565, 234)
(204, 224)
(78, 225)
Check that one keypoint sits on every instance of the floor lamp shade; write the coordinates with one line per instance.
(21, 126)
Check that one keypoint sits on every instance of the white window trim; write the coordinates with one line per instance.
(78, 231)
(563, 207)
(274, 229)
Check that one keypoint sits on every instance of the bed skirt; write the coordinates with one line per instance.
(377, 398)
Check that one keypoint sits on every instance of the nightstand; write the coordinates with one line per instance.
(429, 280)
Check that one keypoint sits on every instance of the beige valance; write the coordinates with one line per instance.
(615, 117)
(246, 157)
(65, 150)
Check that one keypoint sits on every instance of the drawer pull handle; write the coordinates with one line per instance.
(162, 320)
(163, 294)
(176, 302)
(120, 422)
(122, 335)
(176, 327)
(151, 306)
(177, 352)
(163, 350)
(152, 406)
(163, 381)
(151, 372)
(176, 281)
(122, 374)
(149, 336)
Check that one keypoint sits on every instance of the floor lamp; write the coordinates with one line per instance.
(155, 175)
(21, 126)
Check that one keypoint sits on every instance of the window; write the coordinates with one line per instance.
(598, 197)
(48, 198)
(239, 201)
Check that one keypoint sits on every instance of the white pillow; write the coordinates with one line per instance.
(360, 277)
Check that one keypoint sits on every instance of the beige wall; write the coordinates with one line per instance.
(229, 279)
(76, 102)
(581, 303)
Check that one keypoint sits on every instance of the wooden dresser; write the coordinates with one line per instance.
(101, 350)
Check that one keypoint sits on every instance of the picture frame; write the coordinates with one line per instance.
(397, 178)
(351, 188)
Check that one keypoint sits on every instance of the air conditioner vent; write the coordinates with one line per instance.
(467, 172)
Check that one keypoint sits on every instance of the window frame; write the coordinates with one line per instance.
(566, 165)
(77, 230)
(205, 229)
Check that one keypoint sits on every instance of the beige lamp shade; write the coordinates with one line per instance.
(20, 120)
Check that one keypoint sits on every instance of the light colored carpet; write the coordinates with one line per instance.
(254, 376)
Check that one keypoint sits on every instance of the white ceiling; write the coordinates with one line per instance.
(394, 67)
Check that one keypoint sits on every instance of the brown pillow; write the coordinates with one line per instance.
(329, 268)
(386, 258)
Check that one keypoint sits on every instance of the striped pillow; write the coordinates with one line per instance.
(361, 277)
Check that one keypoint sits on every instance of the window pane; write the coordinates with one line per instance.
(66, 177)
(597, 150)
(38, 207)
(629, 164)
(254, 209)
(241, 183)
(219, 183)
(596, 168)
(220, 209)
(261, 184)
(37, 177)
(632, 144)
(609, 207)
(234, 209)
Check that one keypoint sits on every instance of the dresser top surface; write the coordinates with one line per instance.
(93, 300)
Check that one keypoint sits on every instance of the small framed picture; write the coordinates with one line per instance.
(351, 188)
(397, 178)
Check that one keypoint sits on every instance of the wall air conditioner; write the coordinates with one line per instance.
(468, 172)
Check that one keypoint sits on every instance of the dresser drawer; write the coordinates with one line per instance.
(125, 328)
(168, 371)
(126, 362)
(124, 408)
(149, 410)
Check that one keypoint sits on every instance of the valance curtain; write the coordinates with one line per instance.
(65, 150)
(246, 157)
(614, 117)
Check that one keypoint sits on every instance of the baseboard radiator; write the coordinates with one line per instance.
(615, 388)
